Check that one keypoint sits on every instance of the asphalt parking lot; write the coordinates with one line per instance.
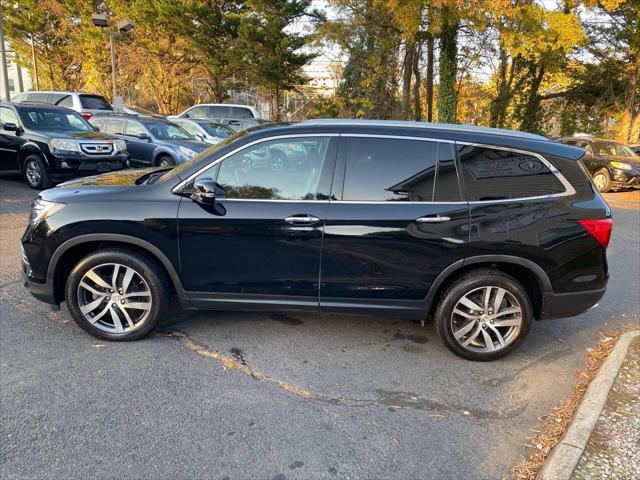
(279, 396)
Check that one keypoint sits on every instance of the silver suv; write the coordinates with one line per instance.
(86, 104)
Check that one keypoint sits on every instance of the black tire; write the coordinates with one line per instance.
(147, 269)
(165, 161)
(34, 173)
(473, 282)
(602, 180)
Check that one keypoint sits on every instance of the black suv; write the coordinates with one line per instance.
(611, 164)
(50, 144)
(481, 230)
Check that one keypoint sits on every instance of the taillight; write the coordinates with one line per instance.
(599, 229)
(87, 116)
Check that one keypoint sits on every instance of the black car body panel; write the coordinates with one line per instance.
(393, 255)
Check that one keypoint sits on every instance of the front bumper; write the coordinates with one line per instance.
(561, 305)
(67, 167)
(625, 178)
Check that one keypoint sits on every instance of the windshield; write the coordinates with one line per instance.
(183, 166)
(613, 149)
(217, 130)
(42, 119)
(167, 131)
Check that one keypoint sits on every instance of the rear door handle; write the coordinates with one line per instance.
(302, 219)
(436, 219)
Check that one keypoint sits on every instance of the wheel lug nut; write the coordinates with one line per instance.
(492, 320)
(114, 305)
(110, 291)
(123, 301)
(108, 298)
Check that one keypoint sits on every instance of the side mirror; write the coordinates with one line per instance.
(11, 127)
(95, 129)
(143, 136)
(205, 191)
(186, 115)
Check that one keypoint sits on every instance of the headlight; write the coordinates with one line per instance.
(64, 145)
(41, 209)
(621, 165)
(120, 146)
(187, 152)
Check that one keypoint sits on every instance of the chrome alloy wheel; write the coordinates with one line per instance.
(600, 181)
(486, 319)
(33, 172)
(114, 298)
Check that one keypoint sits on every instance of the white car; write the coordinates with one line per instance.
(218, 110)
(205, 130)
(86, 104)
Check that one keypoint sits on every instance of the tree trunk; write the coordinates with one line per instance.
(417, 104)
(447, 94)
(532, 107)
(632, 106)
(498, 106)
(406, 78)
(429, 79)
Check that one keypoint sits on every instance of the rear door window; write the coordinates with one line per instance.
(496, 174)
(64, 101)
(219, 111)
(388, 170)
(114, 127)
(240, 112)
(94, 102)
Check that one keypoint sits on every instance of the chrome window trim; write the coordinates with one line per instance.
(569, 190)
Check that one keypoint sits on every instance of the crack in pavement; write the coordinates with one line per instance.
(392, 400)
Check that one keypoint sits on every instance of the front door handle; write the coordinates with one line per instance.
(302, 219)
(436, 219)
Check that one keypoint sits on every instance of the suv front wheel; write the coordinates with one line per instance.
(35, 173)
(484, 315)
(117, 294)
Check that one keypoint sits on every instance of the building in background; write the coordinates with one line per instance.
(19, 78)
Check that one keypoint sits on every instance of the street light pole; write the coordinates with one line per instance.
(3, 59)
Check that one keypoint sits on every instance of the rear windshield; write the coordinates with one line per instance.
(45, 119)
(94, 102)
(217, 130)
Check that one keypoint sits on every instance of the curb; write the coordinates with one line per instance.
(564, 457)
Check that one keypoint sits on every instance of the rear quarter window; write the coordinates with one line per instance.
(94, 102)
(240, 112)
(496, 174)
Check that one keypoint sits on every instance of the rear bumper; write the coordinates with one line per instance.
(560, 305)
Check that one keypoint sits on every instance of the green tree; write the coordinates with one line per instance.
(272, 49)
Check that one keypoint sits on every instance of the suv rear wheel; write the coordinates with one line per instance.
(484, 315)
(35, 174)
(117, 294)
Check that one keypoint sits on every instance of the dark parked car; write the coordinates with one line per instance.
(635, 148)
(50, 144)
(481, 230)
(611, 164)
(151, 140)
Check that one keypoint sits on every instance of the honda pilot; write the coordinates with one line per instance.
(50, 144)
(481, 231)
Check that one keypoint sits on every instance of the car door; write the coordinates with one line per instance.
(590, 162)
(396, 223)
(141, 150)
(261, 240)
(10, 141)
